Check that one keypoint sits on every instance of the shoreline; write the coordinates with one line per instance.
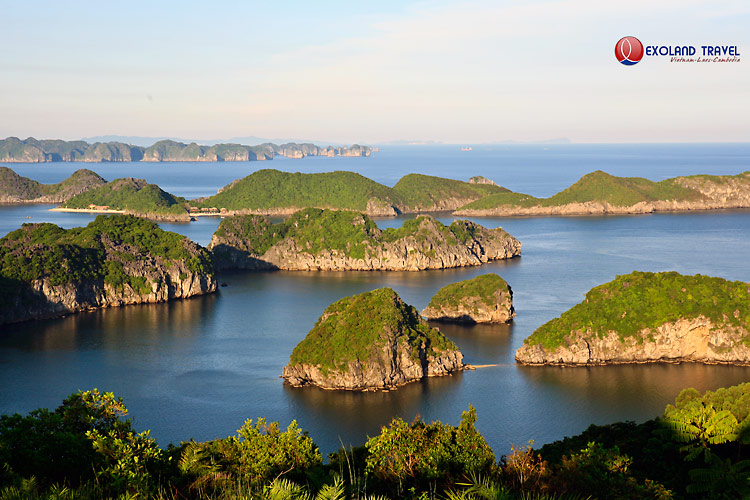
(86, 210)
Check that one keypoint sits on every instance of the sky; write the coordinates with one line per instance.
(370, 72)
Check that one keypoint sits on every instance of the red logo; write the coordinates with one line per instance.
(629, 50)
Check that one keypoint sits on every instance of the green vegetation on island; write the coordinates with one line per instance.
(644, 301)
(355, 329)
(15, 188)
(88, 449)
(132, 195)
(32, 150)
(269, 190)
(109, 253)
(485, 299)
(337, 239)
(483, 287)
(601, 187)
(272, 191)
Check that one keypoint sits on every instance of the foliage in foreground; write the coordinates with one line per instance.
(86, 449)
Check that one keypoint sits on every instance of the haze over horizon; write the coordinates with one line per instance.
(451, 72)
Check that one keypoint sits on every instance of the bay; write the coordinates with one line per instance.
(198, 368)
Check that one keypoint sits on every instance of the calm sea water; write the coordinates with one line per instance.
(198, 368)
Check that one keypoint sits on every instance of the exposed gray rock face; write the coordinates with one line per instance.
(392, 368)
(478, 179)
(484, 299)
(162, 279)
(696, 340)
(429, 248)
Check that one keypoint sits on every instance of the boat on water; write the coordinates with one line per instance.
(466, 149)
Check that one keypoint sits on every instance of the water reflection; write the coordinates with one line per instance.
(113, 328)
(349, 416)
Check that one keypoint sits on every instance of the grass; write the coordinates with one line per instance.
(425, 191)
(600, 186)
(269, 189)
(130, 194)
(640, 300)
(357, 328)
(484, 287)
(47, 251)
(350, 233)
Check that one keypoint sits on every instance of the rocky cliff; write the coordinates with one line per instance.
(696, 339)
(649, 317)
(485, 299)
(47, 271)
(371, 341)
(315, 239)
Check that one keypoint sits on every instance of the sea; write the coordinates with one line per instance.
(199, 368)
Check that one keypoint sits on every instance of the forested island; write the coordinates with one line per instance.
(131, 196)
(15, 188)
(371, 341)
(600, 193)
(15, 150)
(314, 239)
(86, 449)
(272, 192)
(485, 299)
(649, 317)
(47, 271)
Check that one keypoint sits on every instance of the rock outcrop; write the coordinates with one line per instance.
(371, 341)
(316, 240)
(46, 271)
(695, 339)
(485, 299)
(478, 179)
(649, 317)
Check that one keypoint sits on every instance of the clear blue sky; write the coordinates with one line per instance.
(462, 72)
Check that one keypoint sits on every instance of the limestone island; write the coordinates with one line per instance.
(371, 341)
(337, 240)
(31, 150)
(15, 188)
(272, 192)
(485, 299)
(649, 317)
(130, 196)
(600, 193)
(47, 271)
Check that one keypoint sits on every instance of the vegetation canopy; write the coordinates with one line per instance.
(355, 329)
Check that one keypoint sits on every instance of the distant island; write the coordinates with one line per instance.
(371, 341)
(15, 150)
(485, 299)
(47, 271)
(131, 196)
(649, 317)
(276, 193)
(601, 193)
(271, 192)
(314, 239)
(15, 188)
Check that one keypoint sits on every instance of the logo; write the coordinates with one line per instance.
(629, 50)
